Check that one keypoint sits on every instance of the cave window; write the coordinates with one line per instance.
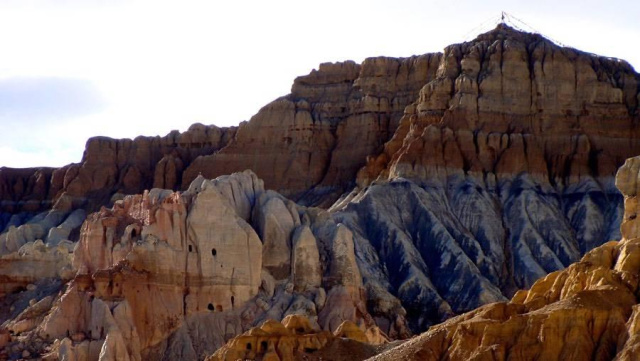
(248, 346)
(219, 308)
(214, 252)
(210, 307)
(633, 216)
(190, 248)
(264, 345)
(233, 299)
(134, 234)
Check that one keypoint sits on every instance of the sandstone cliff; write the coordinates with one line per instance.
(177, 274)
(459, 178)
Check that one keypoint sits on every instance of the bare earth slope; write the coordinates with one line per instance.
(589, 311)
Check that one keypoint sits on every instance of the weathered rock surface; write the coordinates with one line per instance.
(295, 338)
(476, 172)
(499, 173)
(323, 131)
(588, 311)
(167, 274)
(108, 167)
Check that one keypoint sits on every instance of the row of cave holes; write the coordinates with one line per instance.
(264, 345)
(219, 307)
(210, 306)
(213, 250)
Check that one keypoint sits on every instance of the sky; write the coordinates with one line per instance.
(73, 69)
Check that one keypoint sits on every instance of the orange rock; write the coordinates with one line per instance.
(289, 340)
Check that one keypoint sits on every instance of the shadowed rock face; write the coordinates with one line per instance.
(447, 248)
(459, 178)
(588, 311)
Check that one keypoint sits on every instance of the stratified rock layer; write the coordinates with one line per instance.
(310, 144)
(468, 175)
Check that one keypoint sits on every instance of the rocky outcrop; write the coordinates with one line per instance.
(476, 172)
(296, 338)
(310, 144)
(26, 191)
(108, 167)
(298, 144)
(585, 312)
(217, 259)
(511, 102)
(498, 174)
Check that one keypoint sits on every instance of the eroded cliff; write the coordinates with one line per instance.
(588, 311)
(457, 179)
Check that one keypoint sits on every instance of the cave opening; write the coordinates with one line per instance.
(214, 252)
(210, 307)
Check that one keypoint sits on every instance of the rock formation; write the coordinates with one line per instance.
(160, 270)
(589, 311)
(323, 131)
(296, 338)
(445, 182)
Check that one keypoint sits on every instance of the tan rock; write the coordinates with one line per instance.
(344, 268)
(306, 270)
(275, 223)
(291, 340)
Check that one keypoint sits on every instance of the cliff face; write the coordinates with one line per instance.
(310, 144)
(588, 311)
(175, 275)
(448, 181)
(313, 140)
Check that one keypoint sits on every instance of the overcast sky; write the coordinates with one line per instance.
(71, 69)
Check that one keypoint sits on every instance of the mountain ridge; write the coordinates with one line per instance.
(448, 181)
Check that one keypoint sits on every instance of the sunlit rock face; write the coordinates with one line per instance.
(296, 338)
(309, 144)
(169, 274)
